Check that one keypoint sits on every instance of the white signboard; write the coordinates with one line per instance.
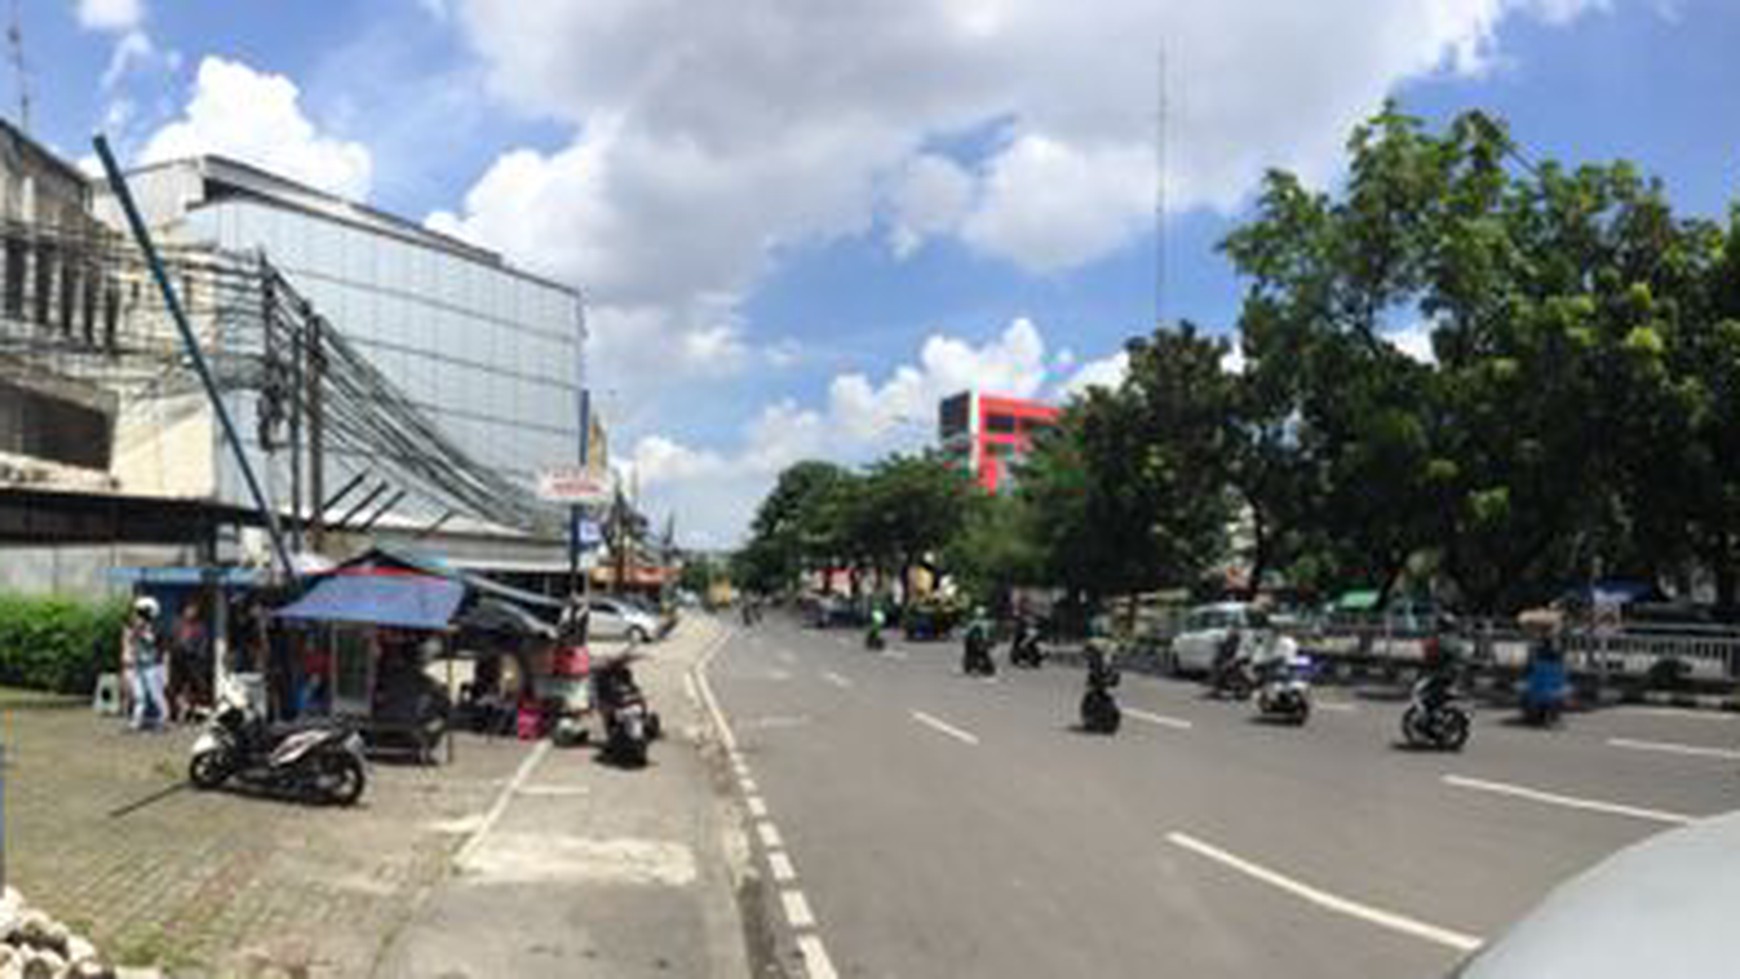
(571, 484)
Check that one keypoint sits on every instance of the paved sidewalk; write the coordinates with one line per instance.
(589, 870)
(102, 833)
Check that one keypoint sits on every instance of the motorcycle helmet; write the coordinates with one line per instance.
(147, 607)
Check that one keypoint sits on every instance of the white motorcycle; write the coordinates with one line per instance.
(317, 761)
(1284, 685)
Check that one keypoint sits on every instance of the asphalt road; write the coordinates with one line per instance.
(916, 822)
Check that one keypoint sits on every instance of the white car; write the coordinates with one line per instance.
(1205, 628)
(614, 618)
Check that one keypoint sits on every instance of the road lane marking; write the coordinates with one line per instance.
(690, 689)
(1569, 801)
(1161, 719)
(699, 672)
(945, 727)
(506, 796)
(780, 864)
(815, 955)
(777, 721)
(1694, 713)
(757, 806)
(1336, 705)
(894, 653)
(1457, 940)
(836, 679)
(1669, 747)
(747, 784)
(778, 676)
(769, 834)
(786, 656)
(797, 909)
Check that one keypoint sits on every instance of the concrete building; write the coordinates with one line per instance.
(106, 438)
(989, 434)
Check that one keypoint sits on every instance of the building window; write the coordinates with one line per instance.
(44, 282)
(1000, 424)
(953, 415)
(14, 291)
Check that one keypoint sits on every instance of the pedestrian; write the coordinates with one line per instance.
(146, 648)
(188, 664)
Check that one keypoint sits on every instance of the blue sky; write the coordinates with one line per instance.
(796, 230)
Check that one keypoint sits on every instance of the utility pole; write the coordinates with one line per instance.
(20, 71)
(316, 363)
(294, 330)
(1160, 189)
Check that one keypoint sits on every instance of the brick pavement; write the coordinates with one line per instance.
(220, 884)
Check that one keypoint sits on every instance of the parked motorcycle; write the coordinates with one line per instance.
(1434, 717)
(1025, 650)
(630, 725)
(318, 761)
(1100, 713)
(1284, 690)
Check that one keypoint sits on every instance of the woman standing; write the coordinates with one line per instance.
(147, 660)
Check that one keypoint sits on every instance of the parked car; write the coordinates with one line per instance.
(1205, 628)
(618, 618)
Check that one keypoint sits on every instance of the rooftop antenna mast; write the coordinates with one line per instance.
(1160, 187)
(20, 73)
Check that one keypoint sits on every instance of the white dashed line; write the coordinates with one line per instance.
(797, 909)
(786, 656)
(747, 784)
(780, 864)
(816, 961)
(757, 807)
(769, 834)
(1178, 723)
(1671, 748)
(966, 737)
(1569, 801)
(1336, 705)
(1385, 919)
(836, 679)
(894, 653)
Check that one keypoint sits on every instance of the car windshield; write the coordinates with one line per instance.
(871, 368)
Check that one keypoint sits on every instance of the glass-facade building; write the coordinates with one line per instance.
(490, 353)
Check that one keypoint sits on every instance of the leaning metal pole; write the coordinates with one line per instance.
(118, 184)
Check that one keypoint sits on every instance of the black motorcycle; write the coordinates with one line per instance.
(976, 654)
(874, 641)
(1100, 713)
(629, 724)
(315, 761)
(1434, 718)
(1025, 650)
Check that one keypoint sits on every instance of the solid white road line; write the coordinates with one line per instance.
(945, 727)
(1457, 940)
(1568, 801)
(501, 802)
(1694, 713)
(699, 672)
(836, 679)
(780, 864)
(1669, 747)
(757, 807)
(1161, 719)
(690, 689)
(769, 834)
(816, 961)
(797, 909)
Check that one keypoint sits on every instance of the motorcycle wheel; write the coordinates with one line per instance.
(1413, 729)
(207, 770)
(342, 779)
(1301, 713)
(1453, 730)
(628, 750)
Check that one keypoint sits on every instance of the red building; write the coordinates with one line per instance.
(989, 434)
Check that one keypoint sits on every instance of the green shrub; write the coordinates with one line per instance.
(58, 644)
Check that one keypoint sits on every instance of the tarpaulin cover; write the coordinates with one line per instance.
(405, 601)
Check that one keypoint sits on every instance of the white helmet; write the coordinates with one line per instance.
(147, 606)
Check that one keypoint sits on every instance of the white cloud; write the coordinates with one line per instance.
(133, 48)
(110, 15)
(1415, 341)
(256, 117)
(1049, 205)
(1107, 372)
(931, 196)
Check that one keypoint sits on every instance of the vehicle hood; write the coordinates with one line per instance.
(1661, 908)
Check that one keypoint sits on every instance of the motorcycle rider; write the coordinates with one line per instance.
(977, 641)
(1228, 657)
(1025, 646)
(878, 618)
(1445, 653)
(1099, 709)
